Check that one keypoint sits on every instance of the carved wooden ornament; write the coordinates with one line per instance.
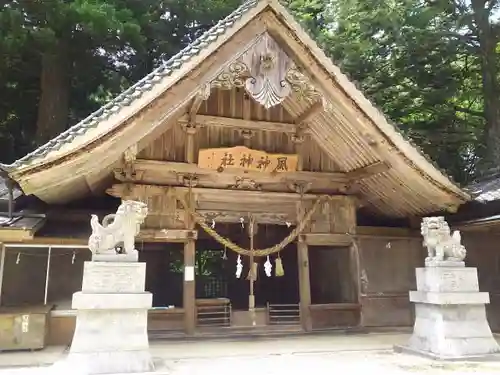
(268, 65)
(267, 74)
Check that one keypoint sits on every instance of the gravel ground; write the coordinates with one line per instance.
(363, 362)
(369, 354)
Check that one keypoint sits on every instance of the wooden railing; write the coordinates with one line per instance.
(283, 314)
(214, 316)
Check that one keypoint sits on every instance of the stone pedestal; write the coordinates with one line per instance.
(112, 314)
(450, 314)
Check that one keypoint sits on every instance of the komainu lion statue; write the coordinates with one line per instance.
(118, 230)
(441, 245)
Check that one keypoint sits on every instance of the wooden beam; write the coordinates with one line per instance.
(386, 232)
(223, 206)
(309, 113)
(217, 195)
(170, 173)
(167, 235)
(233, 217)
(327, 239)
(259, 197)
(368, 171)
(234, 123)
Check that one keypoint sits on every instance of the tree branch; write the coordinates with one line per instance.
(468, 111)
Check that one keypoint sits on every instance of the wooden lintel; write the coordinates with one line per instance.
(327, 239)
(233, 217)
(222, 205)
(234, 123)
(167, 235)
(368, 171)
(224, 195)
(216, 195)
(309, 113)
(170, 173)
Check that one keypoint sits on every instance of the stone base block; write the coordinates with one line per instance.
(109, 330)
(110, 362)
(112, 257)
(457, 298)
(113, 277)
(452, 331)
(447, 279)
(444, 263)
(111, 301)
(472, 358)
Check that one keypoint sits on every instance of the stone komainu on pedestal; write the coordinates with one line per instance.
(117, 231)
(440, 243)
(450, 314)
(112, 308)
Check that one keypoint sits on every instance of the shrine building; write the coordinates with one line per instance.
(249, 147)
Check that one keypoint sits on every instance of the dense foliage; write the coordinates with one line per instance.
(431, 66)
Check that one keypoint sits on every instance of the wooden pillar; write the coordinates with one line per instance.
(189, 287)
(190, 133)
(2, 268)
(304, 284)
(298, 140)
(303, 264)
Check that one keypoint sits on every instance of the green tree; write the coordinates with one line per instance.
(62, 59)
(414, 60)
(66, 35)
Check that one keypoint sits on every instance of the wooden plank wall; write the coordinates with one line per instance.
(388, 273)
(483, 253)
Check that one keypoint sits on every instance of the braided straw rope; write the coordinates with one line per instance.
(257, 252)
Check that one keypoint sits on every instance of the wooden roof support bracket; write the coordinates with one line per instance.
(301, 126)
(202, 95)
(191, 126)
(127, 170)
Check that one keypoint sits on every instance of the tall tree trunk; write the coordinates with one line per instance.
(53, 106)
(491, 85)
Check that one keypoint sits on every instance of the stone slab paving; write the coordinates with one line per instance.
(302, 355)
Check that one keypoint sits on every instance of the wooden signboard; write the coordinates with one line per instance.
(241, 157)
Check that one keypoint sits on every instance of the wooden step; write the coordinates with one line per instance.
(229, 332)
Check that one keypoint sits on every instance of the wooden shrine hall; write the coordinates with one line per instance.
(278, 195)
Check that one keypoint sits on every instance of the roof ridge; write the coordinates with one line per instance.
(134, 92)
